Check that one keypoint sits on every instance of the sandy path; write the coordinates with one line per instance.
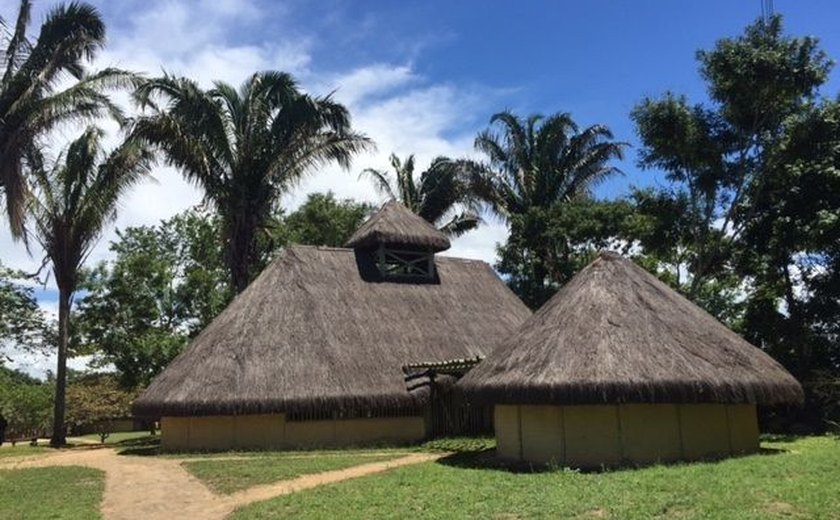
(286, 487)
(152, 487)
(394, 454)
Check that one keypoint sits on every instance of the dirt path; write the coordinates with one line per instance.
(286, 487)
(153, 487)
(377, 454)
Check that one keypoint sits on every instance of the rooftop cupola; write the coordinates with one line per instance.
(402, 243)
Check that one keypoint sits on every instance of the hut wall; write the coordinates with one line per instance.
(743, 428)
(705, 431)
(650, 432)
(607, 435)
(274, 431)
(540, 442)
(507, 425)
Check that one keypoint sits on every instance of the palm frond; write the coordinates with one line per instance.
(460, 224)
(245, 147)
(540, 160)
(18, 43)
(381, 182)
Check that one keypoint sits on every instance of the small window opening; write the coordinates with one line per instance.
(405, 264)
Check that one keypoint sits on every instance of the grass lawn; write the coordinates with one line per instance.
(124, 438)
(801, 480)
(21, 449)
(59, 493)
(228, 476)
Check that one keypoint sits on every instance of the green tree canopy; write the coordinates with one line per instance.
(94, 399)
(245, 147)
(22, 324)
(539, 179)
(25, 403)
(33, 100)
(750, 215)
(547, 246)
(538, 161)
(442, 194)
(165, 284)
(322, 221)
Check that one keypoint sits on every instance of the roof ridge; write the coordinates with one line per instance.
(396, 225)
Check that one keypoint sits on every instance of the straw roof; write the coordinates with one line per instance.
(396, 225)
(319, 329)
(615, 333)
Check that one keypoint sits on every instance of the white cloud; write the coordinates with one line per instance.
(359, 84)
(400, 110)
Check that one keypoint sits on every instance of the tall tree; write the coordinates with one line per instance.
(322, 221)
(25, 403)
(538, 161)
(547, 246)
(164, 285)
(535, 165)
(74, 199)
(245, 148)
(791, 246)
(31, 100)
(22, 323)
(442, 195)
(752, 171)
(716, 156)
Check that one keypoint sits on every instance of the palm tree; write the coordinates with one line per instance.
(245, 148)
(539, 161)
(72, 202)
(31, 103)
(442, 195)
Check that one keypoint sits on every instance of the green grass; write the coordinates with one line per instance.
(56, 493)
(123, 438)
(802, 480)
(22, 449)
(228, 476)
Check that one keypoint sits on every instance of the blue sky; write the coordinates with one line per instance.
(595, 59)
(423, 77)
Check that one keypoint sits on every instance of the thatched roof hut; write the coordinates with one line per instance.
(617, 334)
(396, 226)
(613, 336)
(325, 332)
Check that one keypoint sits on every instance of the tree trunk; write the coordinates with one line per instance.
(800, 339)
(238, 272)
(242, 249)
(59, 429)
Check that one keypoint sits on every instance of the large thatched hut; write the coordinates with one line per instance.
(324, 347)
(619, 368)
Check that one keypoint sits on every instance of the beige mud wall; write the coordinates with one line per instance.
(226, 432)
(592, 436)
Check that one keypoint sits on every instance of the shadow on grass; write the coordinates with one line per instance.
(779, 437)
(488, 460)
(144, 446)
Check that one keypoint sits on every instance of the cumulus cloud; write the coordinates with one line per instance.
(209, 40)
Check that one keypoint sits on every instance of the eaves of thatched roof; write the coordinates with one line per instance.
(616, 334)
(396, 226)
(320, 330)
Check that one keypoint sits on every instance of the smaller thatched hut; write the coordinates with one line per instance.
(619, 368)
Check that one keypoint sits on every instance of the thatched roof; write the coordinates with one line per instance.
(319, 329)
(615, 333)
(395, 225)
